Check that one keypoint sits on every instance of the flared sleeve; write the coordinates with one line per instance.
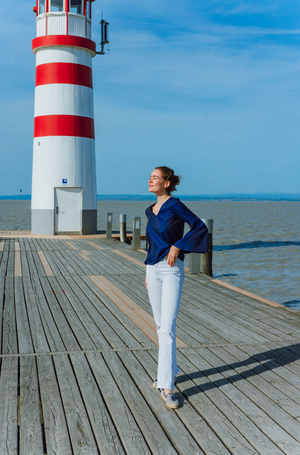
(196, 240)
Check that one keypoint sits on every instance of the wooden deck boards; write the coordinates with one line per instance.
(78, 357)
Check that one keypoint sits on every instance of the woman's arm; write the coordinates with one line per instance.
(196, 240)
(173, 255)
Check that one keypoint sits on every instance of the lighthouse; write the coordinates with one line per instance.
(64, 197)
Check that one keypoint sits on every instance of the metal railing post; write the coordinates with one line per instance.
(136, 236)
(109, 219)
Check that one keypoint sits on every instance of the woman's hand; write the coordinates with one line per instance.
(146, 283)
(173, 255)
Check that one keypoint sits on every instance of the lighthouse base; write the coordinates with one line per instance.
(89, 222)
(43, 223)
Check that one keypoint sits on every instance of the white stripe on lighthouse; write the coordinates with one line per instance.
(67, 55)
(63, 99)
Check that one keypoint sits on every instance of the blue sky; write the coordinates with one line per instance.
(210, 88)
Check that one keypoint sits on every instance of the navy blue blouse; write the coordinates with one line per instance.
(166, 229)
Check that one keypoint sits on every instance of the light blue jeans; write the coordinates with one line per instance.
(164, 289)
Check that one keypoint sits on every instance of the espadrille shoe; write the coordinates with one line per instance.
(171, 400)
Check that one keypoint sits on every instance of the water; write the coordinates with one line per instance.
(256, 243)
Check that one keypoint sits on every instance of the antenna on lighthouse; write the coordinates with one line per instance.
(104, 36)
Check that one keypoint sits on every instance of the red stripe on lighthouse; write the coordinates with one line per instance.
(63, 40)
(63, 73)
(64, 125)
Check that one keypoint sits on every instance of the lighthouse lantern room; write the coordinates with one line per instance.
(64, 198)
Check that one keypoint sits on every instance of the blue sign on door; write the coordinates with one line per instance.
(65, 180)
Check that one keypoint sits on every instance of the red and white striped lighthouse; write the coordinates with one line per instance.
(64, 198)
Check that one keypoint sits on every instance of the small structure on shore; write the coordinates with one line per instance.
(64, 197)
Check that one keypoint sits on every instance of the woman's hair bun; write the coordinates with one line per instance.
(169, 176)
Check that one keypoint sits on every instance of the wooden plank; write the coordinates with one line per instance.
(72, 263)
(248, 315)
(1, 310)
(245, 302)
(128, 430)
(52, 264)
(128, 331)
(221, 313)
(84, 256)
(27, 245)
(234, 357)
(177, 432)
(130, 259)
(119, 264)
(3, 264)
(223, 324)
(56, 430)
(197, 426)
(17, 246)
(33, 307)
(189, 330)
(237, 395)
(22, 246)
(49, 305)
(38, 264)
(86, 252)
(264, 355)
(82, 335)
(269, 373)
(23, 329)
(109, 333)
(81, 435)
(45, 335)
(105, 433)
(92, 329)
(10, 345)
(18, 265)
(31, 433)
(71, 245)
(57, 262)
(152, 431)
(9, 406)
(144, 315)
(10, 264)
(232, 426)
(32, 268)
(2, 243)
(25, 268)
(135, 318)
(249, 294)
(95, 245)
(279, 354)
(45, 264)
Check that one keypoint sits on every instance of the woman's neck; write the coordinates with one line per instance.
(162, 199)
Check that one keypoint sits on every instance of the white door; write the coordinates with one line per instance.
(67, 210)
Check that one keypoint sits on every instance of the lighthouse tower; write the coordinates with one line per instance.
(64, 175)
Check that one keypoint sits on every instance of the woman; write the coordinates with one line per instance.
(165, 269)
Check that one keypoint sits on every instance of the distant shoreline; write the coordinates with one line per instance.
(201, 197)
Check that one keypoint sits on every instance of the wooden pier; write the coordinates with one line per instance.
(79, 350)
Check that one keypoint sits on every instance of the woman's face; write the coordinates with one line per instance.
(157, 184)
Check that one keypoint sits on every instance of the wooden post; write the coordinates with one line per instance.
(123, 228)
(206, 258)
(136, 236)
(109, 219)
